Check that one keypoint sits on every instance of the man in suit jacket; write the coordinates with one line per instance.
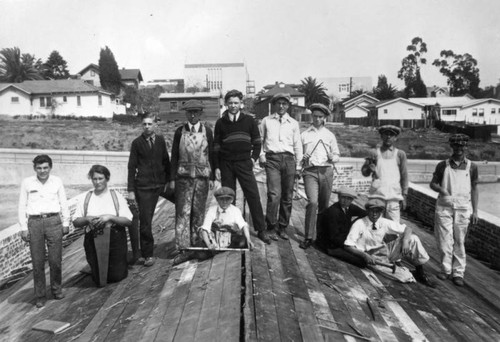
(335, 224)
(148, 173)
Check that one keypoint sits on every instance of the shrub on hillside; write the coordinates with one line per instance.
(126, 119)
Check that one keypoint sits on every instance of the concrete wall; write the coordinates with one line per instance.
(483, 239)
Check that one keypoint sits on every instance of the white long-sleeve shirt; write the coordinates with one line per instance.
(37, 198)
(310, 138)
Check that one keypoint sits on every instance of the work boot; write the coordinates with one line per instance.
(459, 281)
(181, 258)
(443, 276)
(422, 277)
(264, 237)
(150, 261)
(306, 244)
(40, 302)
(281, 233)
(272, 235)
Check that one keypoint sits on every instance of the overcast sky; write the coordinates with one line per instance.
(278, 40)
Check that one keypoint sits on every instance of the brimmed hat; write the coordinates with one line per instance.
(281, 96)
(459, 139)
(321, 107)
(224, 192)
(193, 105)
(389, 128)
(375, 203)
(346, 192)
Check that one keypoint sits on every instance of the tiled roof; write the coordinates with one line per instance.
(56, 86)
(131, 74)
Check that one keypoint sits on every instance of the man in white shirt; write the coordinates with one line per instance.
(281, 156)
(320, 152)
(44, 219)
(366, 241)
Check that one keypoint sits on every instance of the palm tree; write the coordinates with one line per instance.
(17, 68)
(384, 90)
(315, 93)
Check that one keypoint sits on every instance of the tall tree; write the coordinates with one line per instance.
(149, 99)
(410, 69)
(314, 92)
(462, 72)
(383, 90)
(108, 71)
(56, 67)
(16, 67)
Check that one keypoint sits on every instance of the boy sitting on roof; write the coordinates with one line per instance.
(224, 227)
(366, 241)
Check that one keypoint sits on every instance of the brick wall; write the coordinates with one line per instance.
(483, 239)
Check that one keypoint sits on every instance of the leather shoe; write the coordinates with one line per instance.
(264, 237)
(181, 258)
(40, 302)
(273, 236)
(423, 278)
(443, 276)
(58, 296)
(306, 244)
(150, 261)
(282, 234)
(459, 281)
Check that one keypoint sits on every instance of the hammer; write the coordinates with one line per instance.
(385, 264)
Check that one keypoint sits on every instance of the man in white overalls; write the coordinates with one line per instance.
(192, 177)
(455, 179)
(388, 167)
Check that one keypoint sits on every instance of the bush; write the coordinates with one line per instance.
(126, 119)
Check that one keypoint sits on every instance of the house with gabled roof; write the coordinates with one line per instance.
(356, 107)
(129, 77)
(74, 98)
(263, 106)
(400, 112)
(90, 74)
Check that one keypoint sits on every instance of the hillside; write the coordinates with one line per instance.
(353, 141)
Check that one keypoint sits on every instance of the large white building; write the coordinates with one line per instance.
(340, 88)
(220, 77)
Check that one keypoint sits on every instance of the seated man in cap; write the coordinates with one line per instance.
(320, 152)
(281, 156)
(366, 241)
(335, 223)
(388, 167)
(191, 174)
(456, 181)
(223, 227)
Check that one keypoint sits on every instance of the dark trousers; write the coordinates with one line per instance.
(342, 254)
(46, 231)
(280, 172)
(146, 200)
(242, 170)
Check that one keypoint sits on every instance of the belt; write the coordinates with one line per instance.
(279, 153)
(43, 215)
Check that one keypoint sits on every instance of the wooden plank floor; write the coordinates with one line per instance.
(276, 292)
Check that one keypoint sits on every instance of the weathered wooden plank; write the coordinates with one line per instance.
(175, 306)
(265, 307)
(189, 319)
(307, 322)
(250, 334)
(287, 318)
(442, 333)
(209, 315)
(228, 325)
(292, 276)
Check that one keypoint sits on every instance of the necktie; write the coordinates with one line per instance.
(280, 120)
(373, 226)
(193, 130)
(151, 142)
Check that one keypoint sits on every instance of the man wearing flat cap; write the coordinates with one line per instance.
(334, 225)
(281, 156)
(365, 241)
(388, 167)
(320, 153)
(192, 165)
(237, 146)
(455, 179)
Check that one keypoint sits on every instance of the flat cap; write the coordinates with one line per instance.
(321, 107)
(459, 139)
(346, 192)
(375, 203)
(278, 96)
(224, 192)
(389, 128)
(193, 105)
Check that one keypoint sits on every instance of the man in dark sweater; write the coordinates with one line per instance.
(237, 146)
(148, 173)
(335, 223)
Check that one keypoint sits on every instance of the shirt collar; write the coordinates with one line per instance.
(153, 136)
(391, 148)
(286, 117)
(196, 126)
(458, 164)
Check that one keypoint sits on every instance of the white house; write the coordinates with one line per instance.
(57, 97)
(399, 109)
(356, 107)
(90, 74)
(340, 88)
(482, 111)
